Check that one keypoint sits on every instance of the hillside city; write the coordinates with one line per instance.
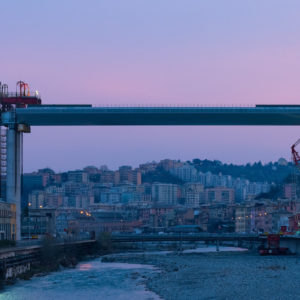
(161, 197)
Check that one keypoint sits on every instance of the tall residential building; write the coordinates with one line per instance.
(186, 173)
(78, 201)
(165, 193)
(127, 175)
(244, 219)
(219, 195)
(78, 176)
(194, 194)
(168, 164)
(110, 177)
(256, 188)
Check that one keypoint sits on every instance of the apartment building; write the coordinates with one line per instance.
(219, 195)
(165, 193)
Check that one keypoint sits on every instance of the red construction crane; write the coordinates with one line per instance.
(295, 155)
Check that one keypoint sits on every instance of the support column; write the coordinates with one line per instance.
(14, 171)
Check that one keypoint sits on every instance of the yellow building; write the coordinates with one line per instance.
(7, 221)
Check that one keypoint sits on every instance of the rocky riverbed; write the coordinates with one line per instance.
(219, 275)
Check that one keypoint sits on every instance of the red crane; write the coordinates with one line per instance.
(295, 155)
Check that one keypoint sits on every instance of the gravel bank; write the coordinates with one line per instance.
(223, 275)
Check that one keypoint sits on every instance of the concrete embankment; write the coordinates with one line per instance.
(24, 262)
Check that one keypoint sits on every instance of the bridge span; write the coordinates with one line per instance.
(134, 238)
(292, 242)
(80, 115)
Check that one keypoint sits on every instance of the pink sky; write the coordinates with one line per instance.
(146, 52)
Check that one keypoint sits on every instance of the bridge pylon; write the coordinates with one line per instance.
(9, 102)
(14, 170)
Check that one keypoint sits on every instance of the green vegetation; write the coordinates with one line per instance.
(160, 175)
(271, 172)
(256, 172)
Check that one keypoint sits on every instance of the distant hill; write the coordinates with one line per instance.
(271, 172)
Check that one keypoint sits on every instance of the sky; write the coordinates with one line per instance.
(158, 52)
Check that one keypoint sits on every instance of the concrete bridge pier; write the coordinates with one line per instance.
(14, 165)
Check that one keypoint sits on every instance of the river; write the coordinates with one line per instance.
(94, 280)
(89, 280)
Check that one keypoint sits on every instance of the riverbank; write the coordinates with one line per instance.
(219, 275)
(24, 263)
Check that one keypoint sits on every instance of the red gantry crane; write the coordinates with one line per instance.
(295, 155)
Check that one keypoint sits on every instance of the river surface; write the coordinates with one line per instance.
(89, 280)
(94, 280)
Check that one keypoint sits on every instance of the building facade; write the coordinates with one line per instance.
(7, 221)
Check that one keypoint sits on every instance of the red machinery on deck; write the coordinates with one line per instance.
(20, 99)
(274, 246)
(8, 102)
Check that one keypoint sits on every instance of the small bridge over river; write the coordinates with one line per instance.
(133, 238)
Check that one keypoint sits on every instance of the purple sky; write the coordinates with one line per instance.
(153, 52)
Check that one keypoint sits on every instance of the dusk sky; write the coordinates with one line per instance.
(154, 52)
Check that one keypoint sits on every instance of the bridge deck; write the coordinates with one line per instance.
(183, 237)
(84, 115)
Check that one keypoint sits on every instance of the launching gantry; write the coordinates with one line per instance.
(22, 98)
(11, 144)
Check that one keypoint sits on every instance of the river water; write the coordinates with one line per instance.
(94, 280)
(89, 280)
